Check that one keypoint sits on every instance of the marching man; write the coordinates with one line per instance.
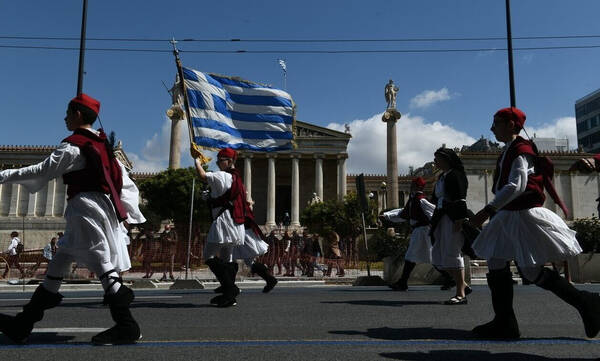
(418, 212)
(100, 196)
(521, 229)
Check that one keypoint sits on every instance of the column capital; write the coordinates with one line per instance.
(246, 155)
(319, 155)
(342, 156)
(295, 155)
(271, 155)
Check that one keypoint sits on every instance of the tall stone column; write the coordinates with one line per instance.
(390, 117)
(175, 113)
(248, 176)
(295, 191)
(319, 175)
(341, 177)
(271, 191)
(574, 198)
(31, 204)
(49, 212)
(14, 200)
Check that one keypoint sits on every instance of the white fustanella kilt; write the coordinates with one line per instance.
(530, 237)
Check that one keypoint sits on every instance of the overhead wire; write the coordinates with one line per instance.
(287, 51)
(489, 38)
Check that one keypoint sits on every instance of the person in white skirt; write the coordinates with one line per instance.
(418, 211)
(100, 196)
(449, 197)
(227, 200)
(521, 229)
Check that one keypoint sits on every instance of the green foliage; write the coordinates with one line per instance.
(588, 233)
(381, 244)
(167, 196)
(342, 217)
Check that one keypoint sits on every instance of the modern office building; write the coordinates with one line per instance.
(587, 113)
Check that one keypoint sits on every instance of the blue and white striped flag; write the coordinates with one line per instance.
(230, 112)
(283, 65)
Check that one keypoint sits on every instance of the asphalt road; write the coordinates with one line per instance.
(306, 323)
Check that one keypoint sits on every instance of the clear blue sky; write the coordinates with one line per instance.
(35, 85)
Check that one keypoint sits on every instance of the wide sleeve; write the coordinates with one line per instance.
(394, 215)
(130, 198)
(219, 182)
(427, 207)
(517, 182)
(64, 159)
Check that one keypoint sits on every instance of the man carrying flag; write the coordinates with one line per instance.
(100, 196)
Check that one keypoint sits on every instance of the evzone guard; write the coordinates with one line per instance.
(231, 216)
(418, 211)
(521, 229)
(100, 196)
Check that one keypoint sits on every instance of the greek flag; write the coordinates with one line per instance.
(283, 65)
(230, 112)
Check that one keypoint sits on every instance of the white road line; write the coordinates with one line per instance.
(70, 330)
(96, 298)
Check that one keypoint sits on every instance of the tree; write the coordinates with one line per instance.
(167, 195)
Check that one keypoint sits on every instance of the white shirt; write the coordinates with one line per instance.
(520, 168)
(12, 247)
(393, 215)
(48, 252)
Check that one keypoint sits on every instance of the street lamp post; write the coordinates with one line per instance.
(384, 194)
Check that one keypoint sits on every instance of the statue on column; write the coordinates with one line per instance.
(390, 94)
(315, 199)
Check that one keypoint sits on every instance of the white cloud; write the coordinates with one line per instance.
(154, 155)
(416, 140)
(559, 128)
(430, 97)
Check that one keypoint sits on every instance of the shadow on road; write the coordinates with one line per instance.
(429, 333)
(384, 303)
(470, 355)
(421, 333)
(39, 338)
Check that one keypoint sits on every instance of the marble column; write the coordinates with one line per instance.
(248, 176)
(295, 191)
(574, 198)
(31, 205)
(14, 200)
(176, 115)
(319, 175)
(391, 117)
(50, 198)
(342, 177)
(271, 191)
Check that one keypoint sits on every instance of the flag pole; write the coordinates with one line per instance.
(82, 48)
(183, 91)
(189, 246)
(511, 74)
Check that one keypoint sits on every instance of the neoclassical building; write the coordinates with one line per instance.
(285, 181)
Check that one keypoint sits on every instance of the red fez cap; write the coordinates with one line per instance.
(87, 101)
(419, 182)
(227, 153)
(514, 114)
